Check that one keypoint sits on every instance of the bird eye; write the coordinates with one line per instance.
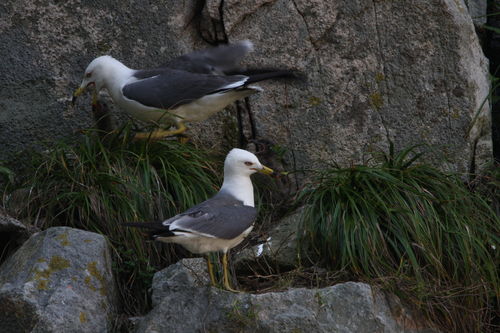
(248, 163)
(89, 74)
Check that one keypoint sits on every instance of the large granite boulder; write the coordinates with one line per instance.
(60, 280)
(410, 71)
(187, 305)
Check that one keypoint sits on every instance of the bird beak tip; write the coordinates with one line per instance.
(77, 93)
(265, 170)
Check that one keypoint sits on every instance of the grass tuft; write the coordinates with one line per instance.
(98, 184)
(414, 228)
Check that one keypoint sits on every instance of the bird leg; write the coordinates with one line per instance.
(160, 133)
(210, 271)
(226, 283)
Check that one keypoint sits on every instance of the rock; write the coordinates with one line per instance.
(478, 11)
(183, 274)
(368, 81)
(281, 247)
(9, 224)
(60, 280)
(12, 235)
(376, 71)
(346, 307)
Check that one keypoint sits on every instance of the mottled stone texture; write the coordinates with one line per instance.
(12, 235)
(410, 71)
(477, 10)
(281, 247)
(185, 305)
(60, 280)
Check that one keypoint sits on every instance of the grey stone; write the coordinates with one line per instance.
(10, 224)
(60, 280)
(376, 71)
(346, 307)
(183, 274)
(281, 247)
(478, 10)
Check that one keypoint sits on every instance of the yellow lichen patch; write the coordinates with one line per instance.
(87, 240)
(379, 77)
(64, 239)
(94, 272)
(43, 284)
(57, 263)
(376, 100)
(42, 277)
(89, 284)
(455, 114)
(313, 101)
(83, 317)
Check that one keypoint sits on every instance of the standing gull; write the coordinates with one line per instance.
(190, 88)
(221, 222)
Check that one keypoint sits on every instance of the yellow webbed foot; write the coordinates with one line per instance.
(160, 133)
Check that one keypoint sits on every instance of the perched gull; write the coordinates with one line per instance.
(221, 222)
(190, 88)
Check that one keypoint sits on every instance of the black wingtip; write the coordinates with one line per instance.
(257, 75)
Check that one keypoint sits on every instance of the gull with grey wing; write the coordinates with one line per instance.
(221, 222)
(190, 88)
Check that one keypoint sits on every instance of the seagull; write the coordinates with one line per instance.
(189, 88)
(221, 222)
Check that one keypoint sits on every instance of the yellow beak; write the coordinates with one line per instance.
(77, 93)
(80, 91)
(265, 170)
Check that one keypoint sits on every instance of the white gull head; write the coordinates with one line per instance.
(105, 72)
(238, 167)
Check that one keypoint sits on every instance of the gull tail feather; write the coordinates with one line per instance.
(154, 229)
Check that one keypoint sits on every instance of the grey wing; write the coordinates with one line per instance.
(173, 88)
(226, 222)
(218, 60)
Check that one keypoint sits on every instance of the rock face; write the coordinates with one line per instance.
(477, 10)
(9, 224)
(182, 306)
(281, 247)
(60, 280)
(12, 234)
(376, 71)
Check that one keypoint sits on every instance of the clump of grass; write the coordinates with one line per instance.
(97, 184)
(414, 228)
(6, 174)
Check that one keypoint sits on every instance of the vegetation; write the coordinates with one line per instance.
(6, 174)
(422, 233)
(414, 229)
(98, 184)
